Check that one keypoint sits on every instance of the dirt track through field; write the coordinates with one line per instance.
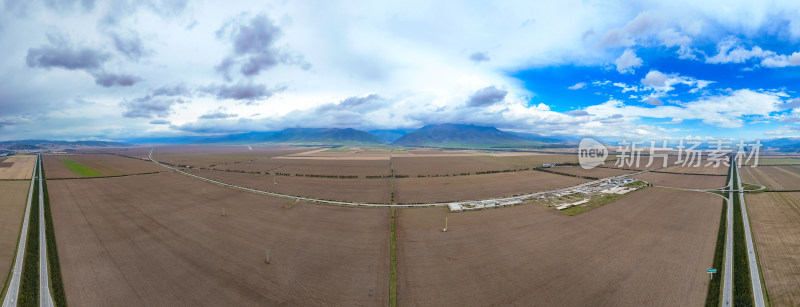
(651, 247)
(171, 246)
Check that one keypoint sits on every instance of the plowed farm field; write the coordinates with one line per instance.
(651, 247)
(444, 189)
(17, 167)
(773, 177)
(683, 181)
(161, 240)
(775, 218)
(13, 198)
(103, 164)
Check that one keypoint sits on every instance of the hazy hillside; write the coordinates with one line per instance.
(464, 136)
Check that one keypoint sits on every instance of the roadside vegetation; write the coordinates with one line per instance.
(742, 291)
(29, 283)
(714, 286)
(79, 169)
(53, 264)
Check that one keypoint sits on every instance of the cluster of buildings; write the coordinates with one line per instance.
(611, 185)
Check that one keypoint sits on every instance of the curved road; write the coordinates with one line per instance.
(355, 204)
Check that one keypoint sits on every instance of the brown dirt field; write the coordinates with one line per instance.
(53, 168)
(169, 246)
(773, 177)
(22, 167)
(13, 198)
(360, 190)
(651, 247)
(443, 189)
(360, 168)
(683, 181)
(414, 166)
(104, 164)
(597, 172)
(204, 156)
(775, 219)
(710, 170)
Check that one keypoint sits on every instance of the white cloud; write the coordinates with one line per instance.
(721, 110)
(627, 62)
(577, 86)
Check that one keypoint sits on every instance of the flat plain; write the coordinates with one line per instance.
(13, 198)
(102, 164)
(775, 219)
(785, 177)
(172, 246)
(651, 246)
(476, 187)
(685, 181)
(597, 172)
(17, 167)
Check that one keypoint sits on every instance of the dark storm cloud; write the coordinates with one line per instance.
(254, 47)
(478, 57)
(108, 80)
(158, 103)
(359, 104)
(217, 115)
(486, 96)
(61, 54)
(242, 91)
(66, 57)
(130, 45)
(149, 106)
(179, 89)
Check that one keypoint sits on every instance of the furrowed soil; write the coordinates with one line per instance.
(652, 246)
(13, 198)
(359, 190)
(774, 177)
(161, 240)
(597, 172)
(103, 164)
(775, 219)
(444, 189)
(18, 167)
(683, 181)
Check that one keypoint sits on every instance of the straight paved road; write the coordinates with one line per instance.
(13, 287)
(727, 283)
(755, 276)
(45, 299)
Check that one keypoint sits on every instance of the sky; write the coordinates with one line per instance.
(90, 69)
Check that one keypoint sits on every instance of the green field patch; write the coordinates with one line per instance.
(777, 161)
(79, 169)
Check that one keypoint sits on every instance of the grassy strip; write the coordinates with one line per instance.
(742, 288)
(393, 266)
(112, 176)
(79, 169)
(29, 284)
(53, 264)
(714, 286)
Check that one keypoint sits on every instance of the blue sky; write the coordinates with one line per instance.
(93, 69)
